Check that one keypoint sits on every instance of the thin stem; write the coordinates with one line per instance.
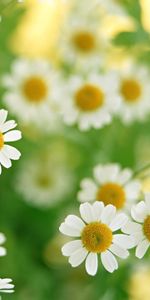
(142, 169)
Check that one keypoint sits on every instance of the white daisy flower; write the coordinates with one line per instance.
(6, 285)
(7, 152)
(82, 42)
(134, 92)
(95, 234)
(140, 229)
(30, 92)
(111, 185)
(89, 102)
(2, 240)
(43, 182)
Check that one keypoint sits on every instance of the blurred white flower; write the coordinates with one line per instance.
(44, 182)
(2, 240)
(111, 185)
(30, 90)
(140, 229)
(134, 91)
(82, 43)
(89, 102)
(95, 234)
(6, 285)
(7, 152)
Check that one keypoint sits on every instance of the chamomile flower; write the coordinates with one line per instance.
(134, 91)
(6, 285)
(140, 229)
(30, 92)
(89, 102)
(111, 185)
(43, 181)
(96, 236)
(2, 240)
(7, 152)
(82, 43)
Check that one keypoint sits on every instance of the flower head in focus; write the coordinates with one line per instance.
(96, 236)
(111, 185)
(7, 152)
(140, 229)
(30, 90)
(89, 102)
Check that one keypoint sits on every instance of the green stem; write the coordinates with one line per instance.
(142, 169)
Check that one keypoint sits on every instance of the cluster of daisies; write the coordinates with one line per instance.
(34, 89)
(112, 220)
(83, 92)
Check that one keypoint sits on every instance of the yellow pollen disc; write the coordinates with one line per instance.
(96, 237)
(146, 227)
(84, 41)
(35, 89)
(112, 193)
(1, 140)
(89, 98)
(131, 90)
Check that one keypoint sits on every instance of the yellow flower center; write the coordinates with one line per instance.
(1, 140)
(146, 227)
(35, 89)
(96, 237)
(84, 41)
(131, 90)
(44, 181)
(112, 193)
(89, 98)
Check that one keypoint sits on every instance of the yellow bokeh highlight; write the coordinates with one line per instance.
(38, 28)
(139, 288)
(145, 5)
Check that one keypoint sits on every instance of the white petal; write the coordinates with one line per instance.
(75, 222)
(71, 247)
(78, 257)
(2, 238)
(118, 251)
(8, 126)
(12, 152)
(147, 201)
(91, 264)
(87, 213)
(109, 261)
(2, 251)
(124, 176)
(4, 160)
(13, 135)
(142, 248)
(98, 209)
(124, 241)
(67, 230)
(131, 227)
(3, 116)
(118, 221)
(139, 211)
(106, 173)
(108, 214)
(132, 189)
